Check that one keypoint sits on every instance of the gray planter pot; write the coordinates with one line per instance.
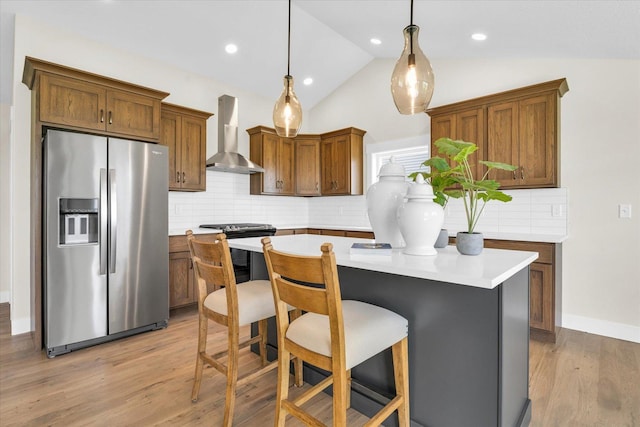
(443, 239)
(469, 243)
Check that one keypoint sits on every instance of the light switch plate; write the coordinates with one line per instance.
(624, 211)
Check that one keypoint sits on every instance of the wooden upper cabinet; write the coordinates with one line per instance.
(467, 126)
(341, 158)
(75, 99)
(276, 155)
(308, 166)
(71, 102)
(133, 115)
(519, 127)
(184, 131)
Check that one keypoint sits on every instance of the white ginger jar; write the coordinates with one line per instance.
(383, 199)
(420, 219)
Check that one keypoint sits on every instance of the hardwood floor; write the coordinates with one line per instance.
(582, 380)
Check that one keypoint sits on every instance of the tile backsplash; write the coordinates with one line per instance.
(227, 199)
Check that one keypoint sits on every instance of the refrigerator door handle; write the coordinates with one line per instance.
(113, 210)
(103, 221)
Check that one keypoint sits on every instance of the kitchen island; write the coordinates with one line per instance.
(468, 328)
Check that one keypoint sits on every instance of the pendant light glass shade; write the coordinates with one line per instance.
(412, 79)
(287, 113)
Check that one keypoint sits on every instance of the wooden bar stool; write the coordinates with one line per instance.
(333, 335)
(234, 305)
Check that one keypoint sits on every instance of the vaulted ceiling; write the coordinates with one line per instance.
(330, 38)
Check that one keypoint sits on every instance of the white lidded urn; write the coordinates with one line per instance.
(420, 219)
(383, 199)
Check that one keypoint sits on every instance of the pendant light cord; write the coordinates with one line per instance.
(289, 40)
(411, 35)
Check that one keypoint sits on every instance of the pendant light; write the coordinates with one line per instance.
(287, 113)
(412, 79)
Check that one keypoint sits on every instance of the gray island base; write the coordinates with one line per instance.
(468, 345)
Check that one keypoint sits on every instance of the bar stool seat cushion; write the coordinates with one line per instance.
(255, 301)
(368, 330)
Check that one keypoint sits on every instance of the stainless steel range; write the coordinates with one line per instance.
(241, 258)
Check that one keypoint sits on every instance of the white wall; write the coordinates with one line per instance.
(600, 148)
(5, 213)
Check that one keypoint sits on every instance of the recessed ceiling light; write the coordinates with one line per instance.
(307, 81)
(231, 48)
(479, 36)
(375, 41)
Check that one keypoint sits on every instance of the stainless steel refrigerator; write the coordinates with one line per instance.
(105, 239)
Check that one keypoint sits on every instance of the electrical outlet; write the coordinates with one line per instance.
(556, 211)
(178, 209)
(340, 211)
(624, 211)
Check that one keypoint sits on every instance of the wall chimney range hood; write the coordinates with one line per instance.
(228, 159)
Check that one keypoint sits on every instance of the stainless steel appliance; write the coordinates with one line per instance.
(242, 259)
(105, 240)
(227, 159)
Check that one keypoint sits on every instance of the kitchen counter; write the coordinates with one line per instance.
(487, 270)
(468, 328)
(519, 237)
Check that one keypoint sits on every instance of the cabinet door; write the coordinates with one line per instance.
(181, 280)
(133, 115)
(326, 158)
(537, 141)
(72, 102)
(541, 303)
(467, 126)
(502, 141)
(170, 136)
(270, 164)
(286, 168)
(193, 153)
(336, 161)
(470, 128)
(307, 167)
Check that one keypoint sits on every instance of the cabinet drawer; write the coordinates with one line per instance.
(179, 243)
(545, 250)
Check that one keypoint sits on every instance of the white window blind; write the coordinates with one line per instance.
(410, 158)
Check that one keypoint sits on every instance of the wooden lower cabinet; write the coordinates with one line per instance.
(545, 294)
(182, 289)
(182, 282)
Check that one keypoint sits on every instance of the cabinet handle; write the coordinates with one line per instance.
(522, 173)
(183, 178)
(101, 116)
(110, 118)
(317, 186)
(514, 174)
(178, 177)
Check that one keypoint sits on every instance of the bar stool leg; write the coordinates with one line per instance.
(400, 353)
(282, 391)
(262, 331)
(203, 327)
(340, 392)
(232, 375)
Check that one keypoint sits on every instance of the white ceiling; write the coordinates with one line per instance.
(330, 38)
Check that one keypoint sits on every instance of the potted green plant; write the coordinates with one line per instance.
(458, 182)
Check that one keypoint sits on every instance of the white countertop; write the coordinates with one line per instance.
(519, 237)
(487, 270)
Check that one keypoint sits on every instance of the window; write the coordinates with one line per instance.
(410, 158)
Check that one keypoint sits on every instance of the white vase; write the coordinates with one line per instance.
(420, 219)
(383, 199)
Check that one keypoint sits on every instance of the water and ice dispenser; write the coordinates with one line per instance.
(78, 221)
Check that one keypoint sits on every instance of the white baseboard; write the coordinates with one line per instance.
(20, 326)
(5, 296)
(620, 331)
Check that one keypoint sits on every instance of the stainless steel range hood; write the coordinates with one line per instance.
(228, 159)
